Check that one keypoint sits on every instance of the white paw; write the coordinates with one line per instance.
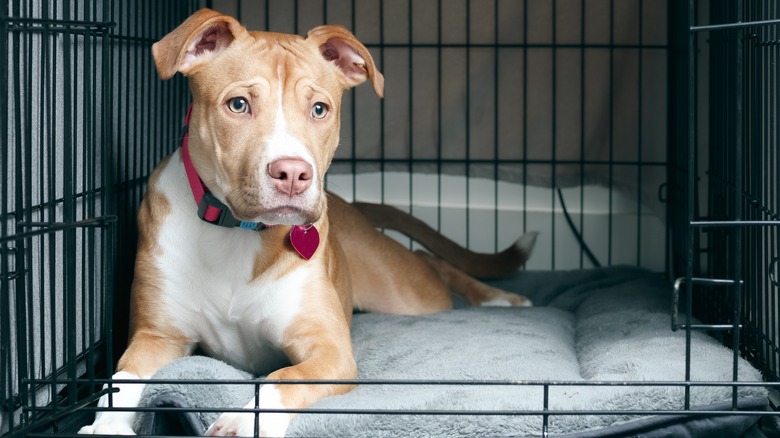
(506, 299)
(233, 424)
(243, 423)
(116, 422)
(107, 429)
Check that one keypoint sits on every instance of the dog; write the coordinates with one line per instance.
(244, 255)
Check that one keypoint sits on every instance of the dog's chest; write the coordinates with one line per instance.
(209, 289)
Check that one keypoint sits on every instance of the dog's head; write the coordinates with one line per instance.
(266, 110)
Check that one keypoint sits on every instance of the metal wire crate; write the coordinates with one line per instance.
(78, 150)
(496, 119)
(733, 239)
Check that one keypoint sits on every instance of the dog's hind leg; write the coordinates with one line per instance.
(473, 290)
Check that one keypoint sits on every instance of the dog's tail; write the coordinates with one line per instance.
(497, 265)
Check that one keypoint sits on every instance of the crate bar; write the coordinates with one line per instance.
(418, 382)
(740, 413)
(676, 299)
(52, 227)
(701, 281)
(88, 175)
(36, 363)
(92, 172)
(382, 138)
(611, 132)
(107, 197)
(467, 114)
(257, 414)
(352, 103)
(691, 173)
(751, 301)
(734, 223)
(123, 163)
(679, 135)
(545, 409)
(517, 46)
(134, 75)
(48, 210)
(123, 50)
(441, 412)
(738, 25)
(70, 115)
(6, 274)
(524, 121)
(144, 118)
(107, 176)
(439, 108)
(553, 126)
(504, 161)
(583, 88)
(48, 204)
(738, 216)
(410, 122)
(448, 412)
(640, 87)
(22, 359)
(68, 26)
(496, 153)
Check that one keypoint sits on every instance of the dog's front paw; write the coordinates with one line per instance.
(117, 428)
(116, 422)
(233, 424)
(243, 424)
(270, 424)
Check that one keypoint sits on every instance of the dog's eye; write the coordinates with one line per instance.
(319, 110)
(238, 105)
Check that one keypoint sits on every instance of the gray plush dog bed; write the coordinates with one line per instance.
(608, 324)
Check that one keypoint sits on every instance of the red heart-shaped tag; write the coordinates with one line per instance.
(305, 239)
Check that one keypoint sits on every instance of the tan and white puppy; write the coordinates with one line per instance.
(264, 127)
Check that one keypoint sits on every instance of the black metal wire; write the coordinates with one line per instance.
(740, 222)
(61, 200)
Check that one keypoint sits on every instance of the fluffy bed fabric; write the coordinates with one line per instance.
(608, 324)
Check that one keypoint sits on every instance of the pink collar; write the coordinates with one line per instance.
(304, 238)
(210, 209)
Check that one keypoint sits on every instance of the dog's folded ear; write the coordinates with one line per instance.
(197, 40)
(337, 44)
